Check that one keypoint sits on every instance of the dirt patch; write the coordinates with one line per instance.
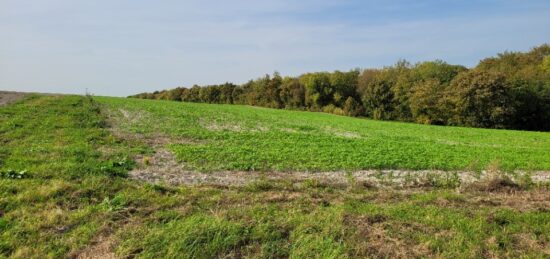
(495, 183)
(373, 238)
(7, 97)
(100, 249)
(536, 200)
(162, 167)
(230, 126)
(342, 133)
(132, 116)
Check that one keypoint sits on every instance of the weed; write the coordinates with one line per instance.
(115, 204)
(525, 180)
(311, 184)
(117, 167)
(444, 180)
(352, 182)
(147, 160)
(12, 174)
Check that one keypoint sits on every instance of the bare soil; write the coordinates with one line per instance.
(100, 249)
(7, 97)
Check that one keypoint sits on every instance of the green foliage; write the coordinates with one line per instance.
(481, 99)
(546, 64)
(428, 104)
(344, 86)
(116, 167)
(377, 96)
(292, 93)
(437, 70)
(318, 89)
(117, 203)
(352, 107)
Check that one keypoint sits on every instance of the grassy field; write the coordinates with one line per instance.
(232, 137)
(64, 190)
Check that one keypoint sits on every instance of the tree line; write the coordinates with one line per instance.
(511, 90)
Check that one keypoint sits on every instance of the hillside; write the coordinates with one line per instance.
(232, 137)
(91, 177)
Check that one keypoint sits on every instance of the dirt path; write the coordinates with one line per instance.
(7, 97)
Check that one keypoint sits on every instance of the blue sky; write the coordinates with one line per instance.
(122, 47)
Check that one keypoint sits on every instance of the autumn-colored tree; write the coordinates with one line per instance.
(292, 93)
(318, 89)
(343, 85)
(377, 96)
(352, 107)
(481, 99)
(427, 102)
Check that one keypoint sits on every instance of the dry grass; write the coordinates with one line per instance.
(373, 238)
(102, 248)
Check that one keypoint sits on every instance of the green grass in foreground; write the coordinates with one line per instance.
(234, 137)
(75, 197)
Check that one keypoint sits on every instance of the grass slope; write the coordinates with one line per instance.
(234, 137)
(74, 198)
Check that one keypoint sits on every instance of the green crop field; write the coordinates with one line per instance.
(66, 185)
(232, 137)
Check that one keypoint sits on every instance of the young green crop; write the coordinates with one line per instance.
(231, 137)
